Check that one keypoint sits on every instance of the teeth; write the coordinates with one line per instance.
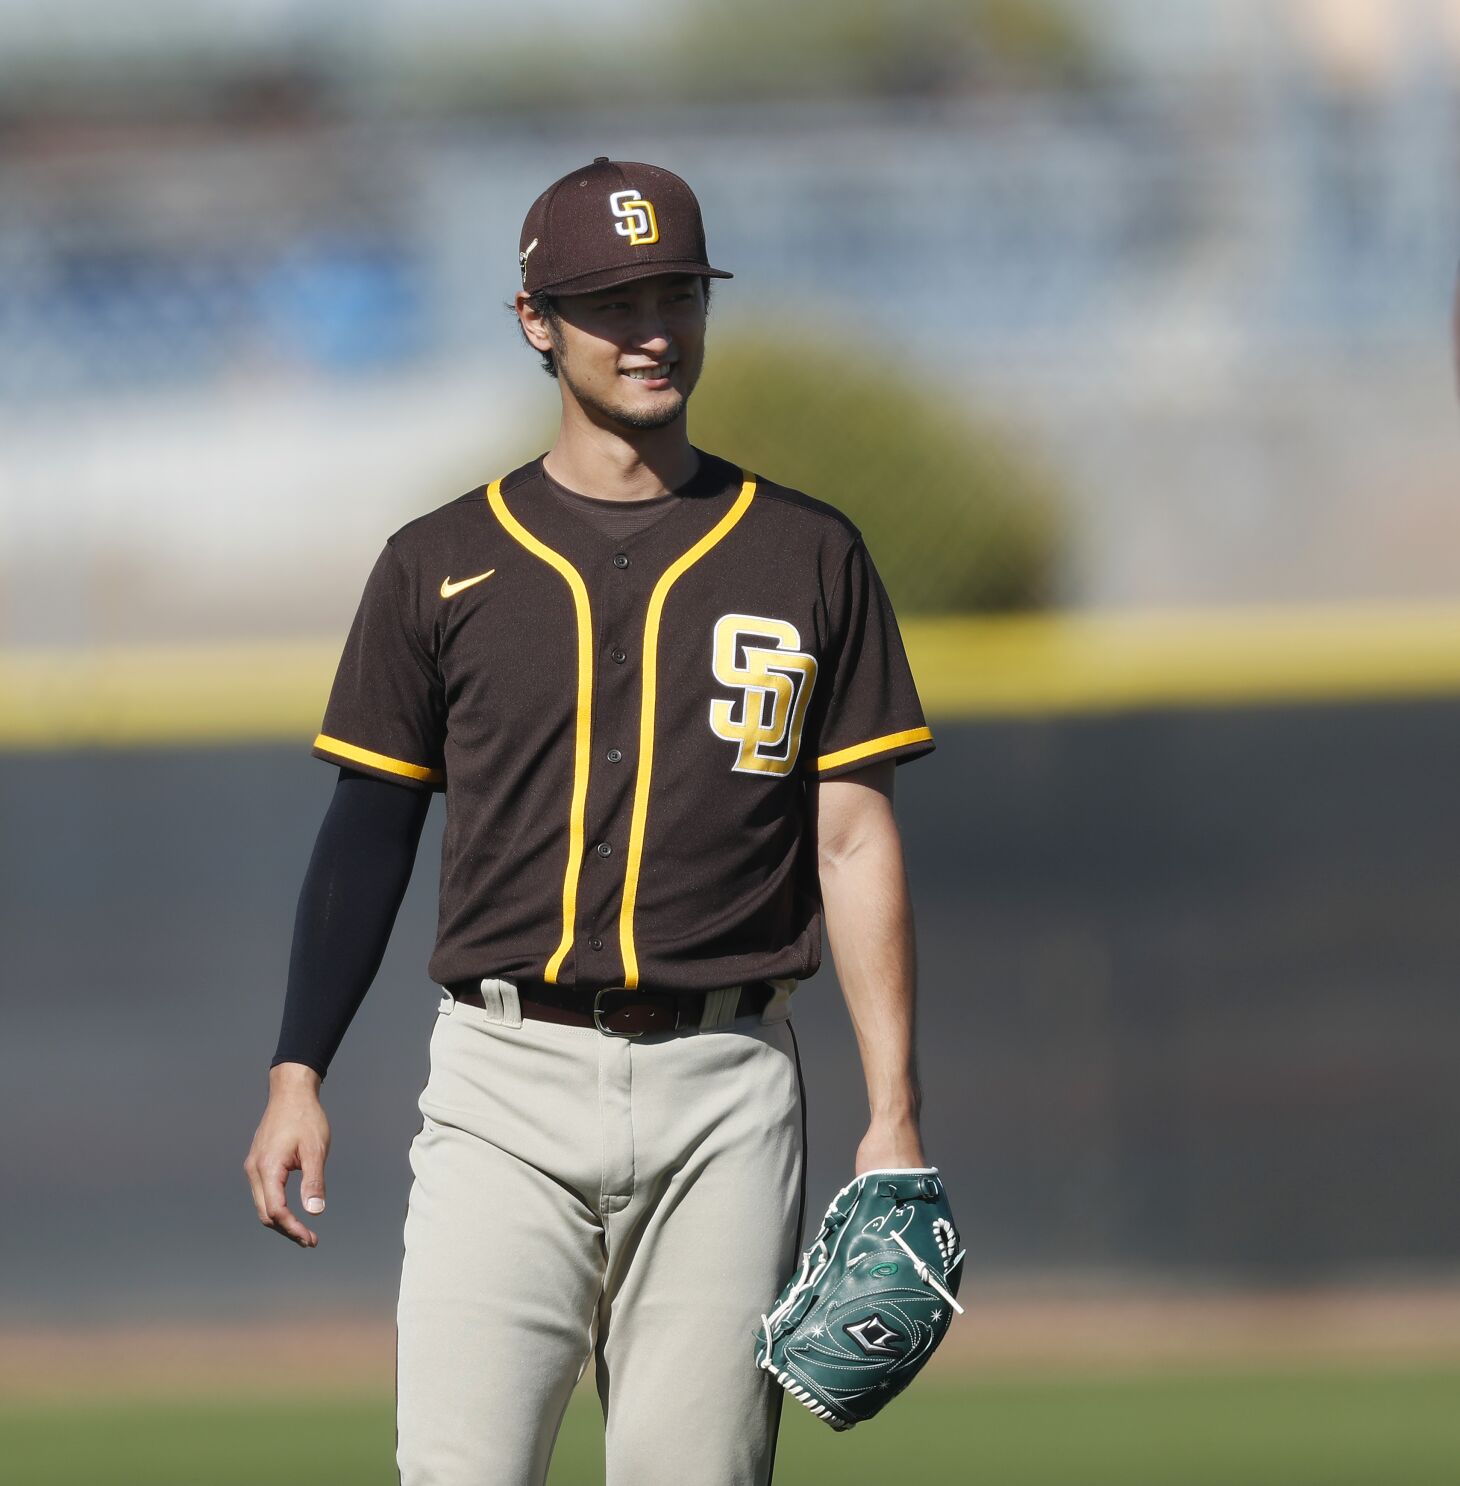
(644, 373)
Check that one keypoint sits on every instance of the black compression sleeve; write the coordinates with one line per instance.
(352, 890)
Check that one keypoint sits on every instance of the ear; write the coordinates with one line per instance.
(534, 327)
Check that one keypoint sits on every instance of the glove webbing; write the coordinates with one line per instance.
(925, 1274)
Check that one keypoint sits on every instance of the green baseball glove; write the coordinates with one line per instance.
(871, 1300)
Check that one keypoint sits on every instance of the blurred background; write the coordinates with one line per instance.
(1122, 330)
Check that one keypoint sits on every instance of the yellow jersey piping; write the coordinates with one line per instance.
(357, 755)
(583, 744)
(873, 745)
(639, 820)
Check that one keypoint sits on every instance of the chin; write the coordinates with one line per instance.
(660, 417)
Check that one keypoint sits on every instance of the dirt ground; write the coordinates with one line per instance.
(1353, 1327)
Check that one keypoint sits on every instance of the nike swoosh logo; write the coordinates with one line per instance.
(448, 588)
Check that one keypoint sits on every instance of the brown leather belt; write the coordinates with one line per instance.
(614, 1009)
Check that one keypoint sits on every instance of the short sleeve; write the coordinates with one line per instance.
(871, 709)
(387, 709)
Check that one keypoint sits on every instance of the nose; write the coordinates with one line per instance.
(651, 333)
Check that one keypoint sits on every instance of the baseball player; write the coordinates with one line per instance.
(664, 697)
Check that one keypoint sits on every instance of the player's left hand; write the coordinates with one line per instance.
(890, 1144)
(871, 1298)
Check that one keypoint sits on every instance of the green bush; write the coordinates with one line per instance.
(876, 48)
(956, 517)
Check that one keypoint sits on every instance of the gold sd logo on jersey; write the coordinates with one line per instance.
(775, 684)
(638, 222)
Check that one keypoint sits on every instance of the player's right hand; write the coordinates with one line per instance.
(294, 1135)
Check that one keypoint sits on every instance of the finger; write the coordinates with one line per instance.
(311, 1178)
(255, 1187)
(277, 1207)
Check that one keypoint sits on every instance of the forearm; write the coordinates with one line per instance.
(351, 893)
(869, 922)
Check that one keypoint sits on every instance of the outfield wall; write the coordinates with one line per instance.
(1188, 1010)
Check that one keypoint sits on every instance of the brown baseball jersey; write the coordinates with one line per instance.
(624, 725)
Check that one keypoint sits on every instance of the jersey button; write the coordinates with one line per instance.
(604, 849)
(595, 943)
(614, 755)
(620, 559)
(617, 655)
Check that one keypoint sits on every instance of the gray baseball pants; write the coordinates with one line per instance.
(637, 1202)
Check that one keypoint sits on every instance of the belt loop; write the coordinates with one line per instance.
(778, 1008)
(511, 1004)
(447, 1003)
(502, 1003)
(719, 1008)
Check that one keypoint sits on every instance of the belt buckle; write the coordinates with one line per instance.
(598, 1012)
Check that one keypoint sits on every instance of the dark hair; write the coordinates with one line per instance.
(545, 303)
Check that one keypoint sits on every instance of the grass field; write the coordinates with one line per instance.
(1339, 1426)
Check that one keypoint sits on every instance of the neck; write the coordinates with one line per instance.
(621, 464)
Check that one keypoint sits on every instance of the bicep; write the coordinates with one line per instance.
(852, 807)
(376, 809)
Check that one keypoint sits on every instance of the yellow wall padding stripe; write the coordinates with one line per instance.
(873, 745)
(1042, 665)
(582, 748)
(141, 696)
(642, 780)
(340, 749)
(184, 695)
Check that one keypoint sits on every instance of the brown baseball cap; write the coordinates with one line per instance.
(609, 222)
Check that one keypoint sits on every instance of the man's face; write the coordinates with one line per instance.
(607, 341)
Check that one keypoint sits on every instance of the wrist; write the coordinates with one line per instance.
(293, 1078)
(902, 1105)
(891, 1146)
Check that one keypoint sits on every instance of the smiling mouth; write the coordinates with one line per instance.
(651, 375)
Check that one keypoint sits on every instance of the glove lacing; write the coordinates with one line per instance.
(926, 1275)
